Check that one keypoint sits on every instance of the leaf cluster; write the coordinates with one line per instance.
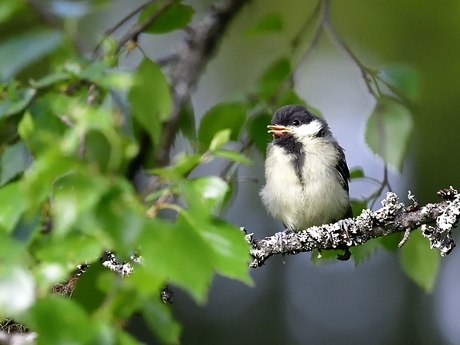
(71, 137)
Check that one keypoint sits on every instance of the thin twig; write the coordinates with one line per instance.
(385, 183)
(335, 37)
(295, 41)
(320, 9)
(137, 28)
(114, 28)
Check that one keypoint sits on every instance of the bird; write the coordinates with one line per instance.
(306, 171)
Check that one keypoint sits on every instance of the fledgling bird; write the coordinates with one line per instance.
(306, 171)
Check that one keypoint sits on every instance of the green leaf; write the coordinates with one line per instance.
(50, 79)
(8, 9)
(220, 139)
(392, 241)
(71, 250)
(147, 279)
(14, 160)
(174, 17)
(187, 122)
(59, 320)
(403, 79)
(190, 263)
(150, 98)
(362, 252)
(87, 292)
(124, 338)
(21, 100)
(270, 23)
(257, 128)
(232, 155)
(221, 116)
(76, 196)
(27, 227)
(12, 252)
(119, 215)
(357, 172)
(94, 71)
(419, 262)
(357, 206)
(272, 78)
(19, 51)
(44, 172)
(159, 317)
(12, 205)
(231, 251)
(26, 126)
(325, 256)
(210, 190)
(184, 164)
(388, 131)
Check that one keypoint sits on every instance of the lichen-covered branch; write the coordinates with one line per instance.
(436, 220)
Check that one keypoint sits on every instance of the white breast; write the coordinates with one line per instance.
(318, 199)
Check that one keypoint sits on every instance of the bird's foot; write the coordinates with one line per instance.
(344, 226)
(346, 254)
(279, 237)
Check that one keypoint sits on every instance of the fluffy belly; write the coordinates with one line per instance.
(299, 208)
(318, 199)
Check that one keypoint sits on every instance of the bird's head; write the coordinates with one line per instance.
(296, 122)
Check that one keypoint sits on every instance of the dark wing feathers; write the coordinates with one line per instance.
(344, 173)
(342, 169)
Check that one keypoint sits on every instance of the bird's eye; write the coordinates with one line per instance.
(296, 123)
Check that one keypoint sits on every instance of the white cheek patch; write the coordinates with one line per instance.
(310, 129)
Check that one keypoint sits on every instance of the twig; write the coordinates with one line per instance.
(321, 9)
(370, 77)
(137, 28)
(437, 222)
(295, 41)
(385, 183)
(335, 37)
(114, 28)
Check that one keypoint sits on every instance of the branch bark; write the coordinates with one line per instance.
(436, 221)
(193, 55)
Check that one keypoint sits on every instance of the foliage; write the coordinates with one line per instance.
(68, 148)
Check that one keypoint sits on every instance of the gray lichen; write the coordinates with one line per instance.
(437, 221)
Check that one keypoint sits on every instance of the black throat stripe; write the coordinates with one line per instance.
(294, 149)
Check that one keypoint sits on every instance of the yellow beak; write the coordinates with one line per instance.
(278, 131)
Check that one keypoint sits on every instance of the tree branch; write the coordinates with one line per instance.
(437, 221)
(193, 55)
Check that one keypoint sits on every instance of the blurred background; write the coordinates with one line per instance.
(293, 300)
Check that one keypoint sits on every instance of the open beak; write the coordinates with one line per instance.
(278, 131)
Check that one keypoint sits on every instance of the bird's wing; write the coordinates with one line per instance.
(343, 171)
